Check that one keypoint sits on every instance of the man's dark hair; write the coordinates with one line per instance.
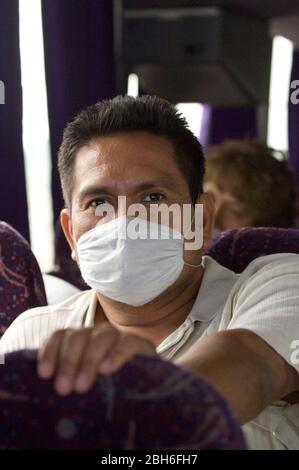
(124, 114)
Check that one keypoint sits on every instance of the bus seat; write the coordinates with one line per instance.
(21, 284)
(236, 248)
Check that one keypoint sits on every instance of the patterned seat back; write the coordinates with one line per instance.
(21, 284)
(235, 249)
(148, 404)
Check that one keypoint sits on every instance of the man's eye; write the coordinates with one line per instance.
(153, 197)
(98, 202)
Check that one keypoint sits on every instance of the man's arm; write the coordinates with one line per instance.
(243, 368)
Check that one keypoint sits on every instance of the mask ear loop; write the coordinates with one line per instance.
(185, 262)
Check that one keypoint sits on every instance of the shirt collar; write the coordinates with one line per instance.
(214, 290)
(89, 317)
(215, 287)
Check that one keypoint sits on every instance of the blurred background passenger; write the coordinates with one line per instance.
(251, 187)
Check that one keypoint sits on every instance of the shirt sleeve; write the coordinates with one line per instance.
(266, 302)
(14, 337)
(32, 328)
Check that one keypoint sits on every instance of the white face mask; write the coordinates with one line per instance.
(132, 271)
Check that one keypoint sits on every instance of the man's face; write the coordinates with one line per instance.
(139, 165)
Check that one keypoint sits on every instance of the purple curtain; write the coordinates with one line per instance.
(231, 123)
(294, 122)
(13, 201)
(78, 40)
(205, 126)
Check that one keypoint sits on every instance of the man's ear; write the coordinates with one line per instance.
(208, 218)
(66, 224)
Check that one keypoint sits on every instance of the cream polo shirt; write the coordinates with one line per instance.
(263, 299)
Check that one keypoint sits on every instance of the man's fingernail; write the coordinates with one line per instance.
(82, 382)
(44, 370)
(63, 385)
(106, 366)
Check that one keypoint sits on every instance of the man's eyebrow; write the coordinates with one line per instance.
(162, 182)
(93, 191)
(136, 187)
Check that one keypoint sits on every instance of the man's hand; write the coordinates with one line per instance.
(76, 357)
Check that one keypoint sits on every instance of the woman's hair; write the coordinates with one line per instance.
(257, 176)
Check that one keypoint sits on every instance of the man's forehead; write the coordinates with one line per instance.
(130, 170)
(128, 144)
(109, 157)
(107, 166)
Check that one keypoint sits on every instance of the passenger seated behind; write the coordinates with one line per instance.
(250, 186)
